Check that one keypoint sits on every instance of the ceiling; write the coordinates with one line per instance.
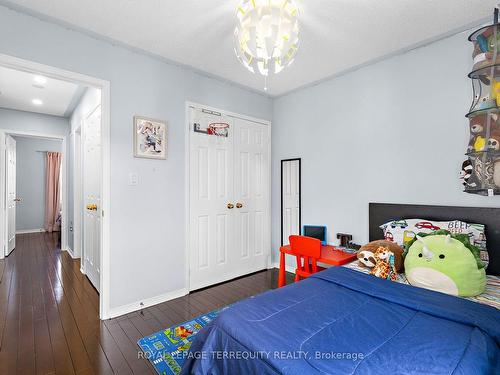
(336, 35)
(18, 89)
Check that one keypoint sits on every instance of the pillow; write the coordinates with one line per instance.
(403, 231)
(446, 263)
(366, 253)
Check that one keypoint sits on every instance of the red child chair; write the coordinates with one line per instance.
(308, 251)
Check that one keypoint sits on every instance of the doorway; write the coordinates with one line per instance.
(93, 231)
(228, 170)
(291, 171)
(34, 187)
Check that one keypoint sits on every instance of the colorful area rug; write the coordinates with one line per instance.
(166, 350)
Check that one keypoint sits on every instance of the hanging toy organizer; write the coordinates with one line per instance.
(481, 170)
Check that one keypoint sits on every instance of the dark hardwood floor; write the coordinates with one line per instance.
(49, 321)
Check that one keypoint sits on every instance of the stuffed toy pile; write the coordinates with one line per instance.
(438, 260)
(384, 258)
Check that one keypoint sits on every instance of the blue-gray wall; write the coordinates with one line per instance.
(393, 132)
(30, 180)
(147, 245)
(33, 122)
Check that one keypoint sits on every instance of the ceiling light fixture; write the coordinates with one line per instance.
(267, 35)
(40, 80)
(37, 102)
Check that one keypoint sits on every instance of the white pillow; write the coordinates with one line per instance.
(404, 230)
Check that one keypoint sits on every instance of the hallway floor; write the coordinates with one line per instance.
(49, 322)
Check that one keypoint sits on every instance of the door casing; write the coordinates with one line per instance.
(103, 85)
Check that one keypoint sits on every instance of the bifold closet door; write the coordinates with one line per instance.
(211, 190)
(251, 184)
(229, 199)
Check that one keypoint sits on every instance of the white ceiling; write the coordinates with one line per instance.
(18, 89)
(336, 35)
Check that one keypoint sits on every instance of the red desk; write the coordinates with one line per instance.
(329, 255)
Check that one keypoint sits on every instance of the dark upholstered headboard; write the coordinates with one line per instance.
(380, 213)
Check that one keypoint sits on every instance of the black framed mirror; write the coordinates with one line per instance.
(291, 221)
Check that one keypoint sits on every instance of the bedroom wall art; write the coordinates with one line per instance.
(481, 171)
(150, 138)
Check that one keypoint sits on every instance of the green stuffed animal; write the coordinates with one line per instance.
(445, 263)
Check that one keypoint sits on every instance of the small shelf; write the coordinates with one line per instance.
(478, 112)
(484, 192)
(475, 34)
(485, 71)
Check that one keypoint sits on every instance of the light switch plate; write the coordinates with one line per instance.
(133, 179)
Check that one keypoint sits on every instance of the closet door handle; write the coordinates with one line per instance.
(230, 206)
(239, 205)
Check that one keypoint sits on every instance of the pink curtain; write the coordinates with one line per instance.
(52, 192)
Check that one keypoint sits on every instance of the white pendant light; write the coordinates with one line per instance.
(267, 35)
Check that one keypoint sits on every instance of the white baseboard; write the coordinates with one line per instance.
(288, 268)
(70, 252)
(139, 305)
(26, 231)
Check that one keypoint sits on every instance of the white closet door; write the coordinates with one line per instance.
(229, 199)
(92, 196)
(211, 190)
(291, 199)
(251, 192)
(11, 193)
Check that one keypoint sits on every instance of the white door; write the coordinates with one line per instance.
(290, 193)
(11, 193)
(251, 184)
(229, 215)
(92, 196)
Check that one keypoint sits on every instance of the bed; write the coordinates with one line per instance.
(342, 321)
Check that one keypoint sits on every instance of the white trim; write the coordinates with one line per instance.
(139, 305)
(77, 191)
(104, 86)
(26, 231)
(187, 149)
(70, 252)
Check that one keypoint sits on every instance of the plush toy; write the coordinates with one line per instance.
(477, 127)
(466, 174)
(482, 42)
(494, 140)
(482, 59)
(486, 102)
(370, 248)
(366, 258)
(492, 44)
(445, 263)
(384, 266)
(495, 91)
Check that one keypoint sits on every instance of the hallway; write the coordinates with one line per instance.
(49, 314)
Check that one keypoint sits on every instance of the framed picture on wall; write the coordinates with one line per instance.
(150, 138)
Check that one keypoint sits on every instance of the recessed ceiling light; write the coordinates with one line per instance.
(41, 80)
(37, 101)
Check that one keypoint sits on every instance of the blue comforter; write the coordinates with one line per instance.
(340, 321)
